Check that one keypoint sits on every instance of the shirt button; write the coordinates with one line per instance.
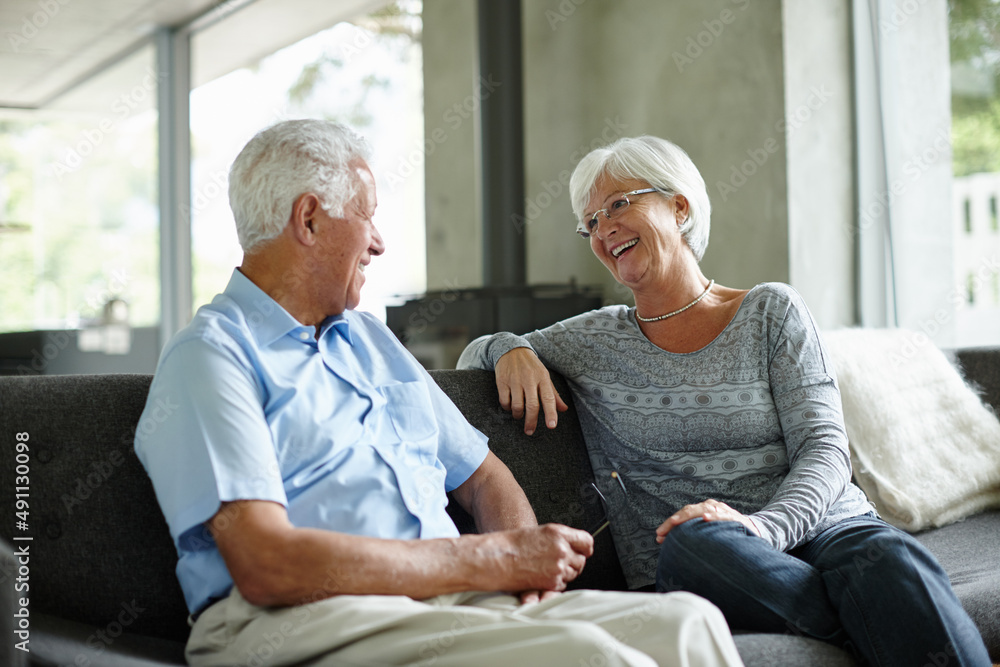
(304, 335)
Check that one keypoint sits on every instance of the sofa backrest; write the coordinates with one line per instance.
(981, 367)
(552, 467)
(101, 552)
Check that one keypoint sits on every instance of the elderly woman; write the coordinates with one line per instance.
(714, 426)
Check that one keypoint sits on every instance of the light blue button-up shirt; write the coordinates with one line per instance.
(346, 430)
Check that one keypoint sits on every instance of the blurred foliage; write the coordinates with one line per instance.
(974, 34)
(78, 205)
(86, 216)
(974, 28)
(397, 26)
(975, 139)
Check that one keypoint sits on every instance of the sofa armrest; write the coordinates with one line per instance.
(981, 367)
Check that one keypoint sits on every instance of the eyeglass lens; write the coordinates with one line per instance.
(616, 208)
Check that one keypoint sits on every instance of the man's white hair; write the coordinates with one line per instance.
(287, 160)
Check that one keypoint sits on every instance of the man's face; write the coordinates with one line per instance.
(349, 245)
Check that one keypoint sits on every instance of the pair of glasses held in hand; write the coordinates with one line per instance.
(604, 502)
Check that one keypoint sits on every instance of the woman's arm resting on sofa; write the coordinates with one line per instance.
(523, 382)
(525, 388)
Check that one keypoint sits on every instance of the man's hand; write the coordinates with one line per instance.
(709, 510)
(531, 597)
(274, 563)
(537, 559)
(524, 385)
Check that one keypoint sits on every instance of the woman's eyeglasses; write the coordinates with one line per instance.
(615, 209)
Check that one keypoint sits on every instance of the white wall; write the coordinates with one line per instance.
(819, 109)
(759, 92)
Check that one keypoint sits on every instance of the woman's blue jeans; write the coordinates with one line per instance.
(862, 584)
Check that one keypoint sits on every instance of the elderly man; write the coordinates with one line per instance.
(303, 473)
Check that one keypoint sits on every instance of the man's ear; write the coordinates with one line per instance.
(305, 210)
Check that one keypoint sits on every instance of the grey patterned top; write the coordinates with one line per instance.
(752, 419)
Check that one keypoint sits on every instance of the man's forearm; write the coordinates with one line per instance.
(494, 498)
(273, 563)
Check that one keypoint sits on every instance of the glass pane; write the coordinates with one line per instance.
(366, 73)
(78, 211)
(974, 27)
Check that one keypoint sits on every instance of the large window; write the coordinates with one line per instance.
(78, 213)
(79, 222)
(975, 88)
(366, 73)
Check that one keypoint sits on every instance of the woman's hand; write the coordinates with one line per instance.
(709, 510)
(524, 385)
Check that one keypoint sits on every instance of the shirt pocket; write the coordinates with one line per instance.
(409, 407)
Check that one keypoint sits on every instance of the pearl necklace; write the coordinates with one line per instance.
(679, 310)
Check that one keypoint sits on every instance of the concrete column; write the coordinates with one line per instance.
(707, 75)
(452, 92)
(819, 135)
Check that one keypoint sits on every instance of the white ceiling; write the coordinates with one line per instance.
(52, 52)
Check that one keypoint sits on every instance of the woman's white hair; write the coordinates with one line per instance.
(284, 161)
(662, 164)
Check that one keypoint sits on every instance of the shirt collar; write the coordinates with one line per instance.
(340, 324)
(265, 317)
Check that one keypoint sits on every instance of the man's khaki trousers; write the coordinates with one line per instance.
(578, 629)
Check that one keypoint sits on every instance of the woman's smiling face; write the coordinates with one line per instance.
(641, 244)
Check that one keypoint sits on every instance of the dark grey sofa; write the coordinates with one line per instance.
(101, 569)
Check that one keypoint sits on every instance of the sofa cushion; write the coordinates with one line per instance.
(101, 552)
(551, 466)
(968, 552)
(57, 641)
(767, 650)
(924, 447)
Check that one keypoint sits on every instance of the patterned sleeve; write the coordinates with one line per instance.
(807, 400)
(561, 347)
(484, 352)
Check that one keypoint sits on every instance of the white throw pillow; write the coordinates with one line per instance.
(924, 446)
